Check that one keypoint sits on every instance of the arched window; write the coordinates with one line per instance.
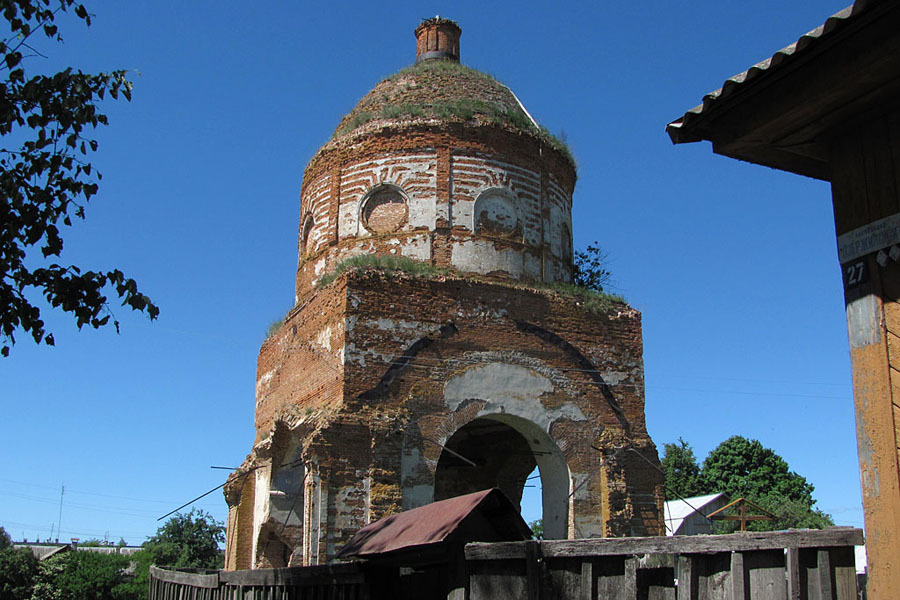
(384, 209)
(565, 244)
(306, 234)
(496, 213)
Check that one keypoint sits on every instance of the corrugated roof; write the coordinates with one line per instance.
(437, 522)
(679, 130)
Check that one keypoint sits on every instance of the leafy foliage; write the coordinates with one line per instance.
(537, 529)
(682, 471)
(188, 540)
(185, 541)
(5, 540)
(83, 575)
(17, 570)
(745, 468)
(590, 268)
(742, 467)
(47, 180)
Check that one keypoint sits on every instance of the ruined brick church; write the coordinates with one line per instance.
(389, 387)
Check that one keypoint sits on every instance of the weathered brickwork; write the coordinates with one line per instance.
(384, 391)
(441, 179)
(475, 367)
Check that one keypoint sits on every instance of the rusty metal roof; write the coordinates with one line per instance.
(680, 130)
(484, 516)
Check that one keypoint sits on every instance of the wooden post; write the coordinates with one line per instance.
(587, 579)
(738, 588)
(533, 567)
(865, 190)
(793, 575)
(687, 577)
(629, 590)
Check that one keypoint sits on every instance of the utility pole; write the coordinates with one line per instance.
(59, 521)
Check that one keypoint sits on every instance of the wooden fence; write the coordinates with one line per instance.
(788, 565)
(325, 582)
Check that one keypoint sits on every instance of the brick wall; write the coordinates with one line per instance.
(410, 365)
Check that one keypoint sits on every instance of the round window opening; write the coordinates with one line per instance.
(384, 210)
(495, 213)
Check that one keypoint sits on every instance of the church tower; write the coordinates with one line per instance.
(436, 346)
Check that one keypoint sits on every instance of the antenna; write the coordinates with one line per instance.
(59, 521)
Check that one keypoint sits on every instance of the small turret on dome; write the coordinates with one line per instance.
(437, 38)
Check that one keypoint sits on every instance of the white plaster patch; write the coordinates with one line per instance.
(263, 380)
(319, 266)
(508, 389)
(480, 256)
(260, 505)
(323, 340)
(614, 377)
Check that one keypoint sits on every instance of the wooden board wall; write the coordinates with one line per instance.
(865, 164)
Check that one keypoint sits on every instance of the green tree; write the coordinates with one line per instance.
(83, 575)
(745, 468)
(682, 471)
(742, 467)
(46, 179)
(5, 540)
(185, 540)
(537, 529)
(188, 540)
(590, 268)
(17, 570)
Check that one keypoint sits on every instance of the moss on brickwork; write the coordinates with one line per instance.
(385, 264)
(593, 301)
(448, 91)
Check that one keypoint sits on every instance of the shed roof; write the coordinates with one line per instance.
(486, 516)
(677, 511)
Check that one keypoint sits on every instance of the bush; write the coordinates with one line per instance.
(83, 575)
(17, 571)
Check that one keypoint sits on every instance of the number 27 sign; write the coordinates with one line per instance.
(855, 273)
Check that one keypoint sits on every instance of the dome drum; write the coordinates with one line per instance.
(487, 202)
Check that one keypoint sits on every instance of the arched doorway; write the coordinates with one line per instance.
(502, 450)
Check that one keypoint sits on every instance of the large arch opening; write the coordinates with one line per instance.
(502, 450)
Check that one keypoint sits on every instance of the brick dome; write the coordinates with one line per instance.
(436, 91)
(441, 164)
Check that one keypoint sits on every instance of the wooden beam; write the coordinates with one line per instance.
(707, 544)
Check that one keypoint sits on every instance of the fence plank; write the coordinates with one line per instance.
(587, 581)
(738, 574)
(823, 574)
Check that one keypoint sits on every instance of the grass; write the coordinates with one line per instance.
(385, 264)
(596, 302)
(274, 327)
(464, 109)
(445, 66)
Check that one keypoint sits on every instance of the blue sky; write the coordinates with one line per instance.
(733, 266)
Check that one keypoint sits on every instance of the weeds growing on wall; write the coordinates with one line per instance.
(594, 301)
(464, 109)
(386, 264)
(274, 327)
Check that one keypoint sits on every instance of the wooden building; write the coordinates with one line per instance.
(827, 107)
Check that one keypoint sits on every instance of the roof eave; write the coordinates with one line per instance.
(781, 112)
